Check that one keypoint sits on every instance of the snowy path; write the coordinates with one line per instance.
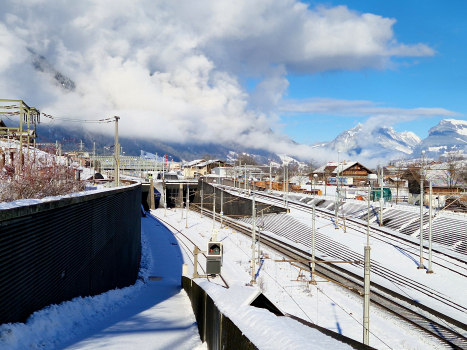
(152, 315)
(161, 316)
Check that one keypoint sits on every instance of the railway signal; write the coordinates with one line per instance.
(214, 258)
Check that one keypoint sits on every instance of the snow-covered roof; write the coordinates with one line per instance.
(342, 167)
(203, 164)
(193, 163)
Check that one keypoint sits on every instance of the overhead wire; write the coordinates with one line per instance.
(76, 120)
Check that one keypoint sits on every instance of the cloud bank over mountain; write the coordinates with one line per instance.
(173, 69)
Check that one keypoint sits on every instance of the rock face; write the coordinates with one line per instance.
(448, 135)
(42, 65)
(373, 143)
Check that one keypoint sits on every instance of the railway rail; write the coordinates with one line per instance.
(376, 232)
(434, 323)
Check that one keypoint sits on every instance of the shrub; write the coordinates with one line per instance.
(40, 177)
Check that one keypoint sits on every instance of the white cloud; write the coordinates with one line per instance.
(171, 68)
(379, 115)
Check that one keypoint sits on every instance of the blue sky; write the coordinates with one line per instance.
(437, 81)
(232, 71)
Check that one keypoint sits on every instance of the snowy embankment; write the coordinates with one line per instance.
(325, 304)
(140, 316)
(157, 314)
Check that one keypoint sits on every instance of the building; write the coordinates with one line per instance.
(349, 173)
(448, 187)
(190, 169)
(223, 171)
(201, 167)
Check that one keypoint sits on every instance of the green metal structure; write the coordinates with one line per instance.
(376, 194)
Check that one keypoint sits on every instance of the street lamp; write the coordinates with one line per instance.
(367, 267)
(422, 175)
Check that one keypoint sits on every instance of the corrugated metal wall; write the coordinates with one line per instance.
(52, 252)
(217, 330)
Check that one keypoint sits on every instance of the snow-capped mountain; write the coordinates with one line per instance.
(448, 135)
(371, 143)
(41, 64)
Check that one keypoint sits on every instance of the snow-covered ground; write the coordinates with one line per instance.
(154, 314)
(157, 314)
(325, 304)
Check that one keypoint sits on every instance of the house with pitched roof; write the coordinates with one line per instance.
(348, 172)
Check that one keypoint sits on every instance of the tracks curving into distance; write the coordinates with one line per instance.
(186, 246)
(376, 233)
(434, 323)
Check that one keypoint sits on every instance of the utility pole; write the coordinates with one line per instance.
(245, 179)
(270, 176)
(181, 199)
(240, 172)
(313, 234)
(93, 159)
(202, 195)
(430, 222)
(222, 204)
(234, 175)
(214, 208)
(287, 188)
(187, 203)
(422, 173)
(253, 243)
(259, 236)
(367, 268)
(165, 197)
(20, 165)
(283, 182)
(56, 152)
(29, 124)
(337, 193)
(117, 154)
(152, 205)
(381, 199)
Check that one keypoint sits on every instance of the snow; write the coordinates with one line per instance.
(157, 313)
(147, 315)
(436, 149)
(29, 202)
(263, 328)
(326, 304)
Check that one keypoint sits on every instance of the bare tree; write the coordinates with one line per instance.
(412, 175)
(452, 170)
(39, 178)
(398, 174)
(247, 159)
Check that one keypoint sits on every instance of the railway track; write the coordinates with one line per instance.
(377, 233)
(188, 249)
(434, 323)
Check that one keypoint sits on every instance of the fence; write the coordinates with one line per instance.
(57, 250)
(217, 330)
